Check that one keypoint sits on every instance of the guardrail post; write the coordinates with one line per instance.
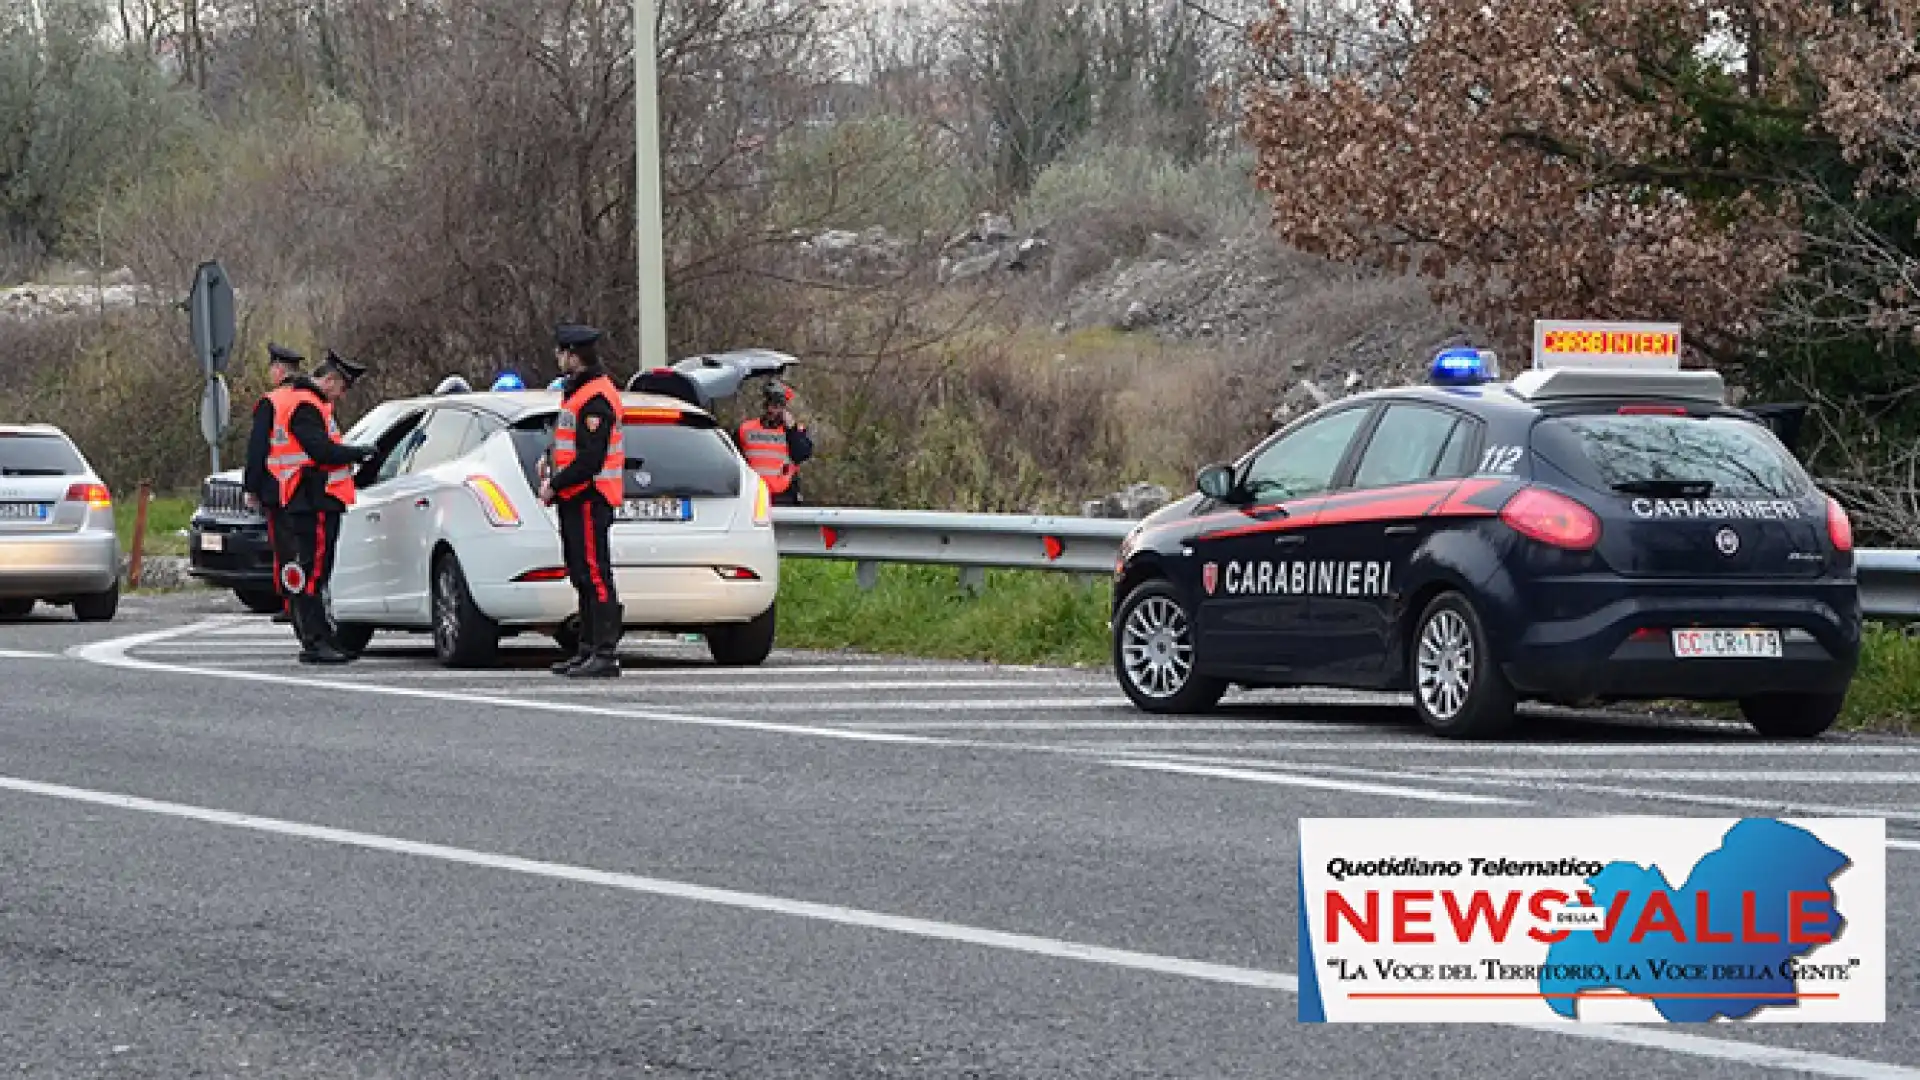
(139, 535)
(866, 574)
(973, 579)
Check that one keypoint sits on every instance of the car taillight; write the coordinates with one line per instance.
(1552, 519)
(736, 573)
(548, 573)
(494, 502)
(762, 504)
(94, 495)
(1839, 526)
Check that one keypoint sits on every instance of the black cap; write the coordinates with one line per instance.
(776, 391)
(280, 354)
(349, 371)
(573, 335)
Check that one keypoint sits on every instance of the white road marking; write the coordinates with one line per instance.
(1463, 777)
(1327, 783)
(964, 724)
(958, 705)
(22, 654)
(1729, 776)
(749, 684)
(1904, 845)
(113, 653)
(1423, 745)
(1753, 1054)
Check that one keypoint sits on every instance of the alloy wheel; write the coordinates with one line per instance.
(446, 608)
(1445, 664)
(1156, 649)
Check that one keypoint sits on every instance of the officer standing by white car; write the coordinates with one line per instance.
(588, 481)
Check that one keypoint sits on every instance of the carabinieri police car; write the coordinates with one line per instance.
(1602, 527)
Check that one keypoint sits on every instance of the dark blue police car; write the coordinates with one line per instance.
(1575, 535)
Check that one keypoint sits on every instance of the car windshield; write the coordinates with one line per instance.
(1724, 456)
(374, 422)
(38, 455)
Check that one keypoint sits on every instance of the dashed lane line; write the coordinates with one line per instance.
(23, 654)
(1756, 1055)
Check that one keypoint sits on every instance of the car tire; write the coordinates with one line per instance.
(1793, 716)
(353, 637)
(1154, 653)
(16, 609)
(463, 636)
(746, 644)
(260, 601)
(100, 607)
(1458, 688)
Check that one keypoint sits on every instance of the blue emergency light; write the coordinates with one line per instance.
(1463, 366)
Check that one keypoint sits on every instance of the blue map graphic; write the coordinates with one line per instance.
(1760, 856)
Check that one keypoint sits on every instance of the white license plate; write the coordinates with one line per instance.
(23, 511)
(212, 542)
(1726, 643)
(655, 510)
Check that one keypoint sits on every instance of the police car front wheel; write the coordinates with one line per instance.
(1458, 688)
(1154, 653)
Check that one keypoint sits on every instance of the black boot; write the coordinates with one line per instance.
(581, 652)
(605, 661)
(310, 622)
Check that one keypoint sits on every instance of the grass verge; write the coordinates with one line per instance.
(167, 515)
(1030, 617)
(1022, 617)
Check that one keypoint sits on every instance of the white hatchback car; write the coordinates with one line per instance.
(448, 536)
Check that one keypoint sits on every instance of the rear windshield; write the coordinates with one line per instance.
(38, 455)
(662, 459)
(1647, 454)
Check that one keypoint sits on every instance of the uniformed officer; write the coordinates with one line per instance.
(775, 445)
(314, 473)
(283, 366)
(589, 462)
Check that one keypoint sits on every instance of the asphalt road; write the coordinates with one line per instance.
(218, 862)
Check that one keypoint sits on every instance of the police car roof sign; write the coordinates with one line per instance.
(1575, 344)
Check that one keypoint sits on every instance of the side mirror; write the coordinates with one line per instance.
(1216, 482)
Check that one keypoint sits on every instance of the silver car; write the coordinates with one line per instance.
(57, 542)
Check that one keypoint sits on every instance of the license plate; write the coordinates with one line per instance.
(23, 511)
(1726, 643)
(212, 542)
(655, 510)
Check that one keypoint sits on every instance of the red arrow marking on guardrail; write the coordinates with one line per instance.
(1053, 546)
(829, 536)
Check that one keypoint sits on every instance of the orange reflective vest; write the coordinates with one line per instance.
(608, 480)
(767, 454)
(287, 462)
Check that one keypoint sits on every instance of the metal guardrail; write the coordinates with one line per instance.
(974, 543)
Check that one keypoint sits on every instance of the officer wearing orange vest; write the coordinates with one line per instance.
(588, 481)
(313, 474)
(283, 366)
(775, 445)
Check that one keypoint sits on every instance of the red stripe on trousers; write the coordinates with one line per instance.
(593, 557)
(319, 554)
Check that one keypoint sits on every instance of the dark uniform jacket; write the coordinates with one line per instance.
(589, 443)
(309, 428)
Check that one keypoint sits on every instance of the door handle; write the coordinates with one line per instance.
(373, 515)
(422, 504)
(1288, 541)
(1402, 530)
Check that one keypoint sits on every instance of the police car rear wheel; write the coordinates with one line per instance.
(1153, 653)
(1793, 716)
(1458, 689)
